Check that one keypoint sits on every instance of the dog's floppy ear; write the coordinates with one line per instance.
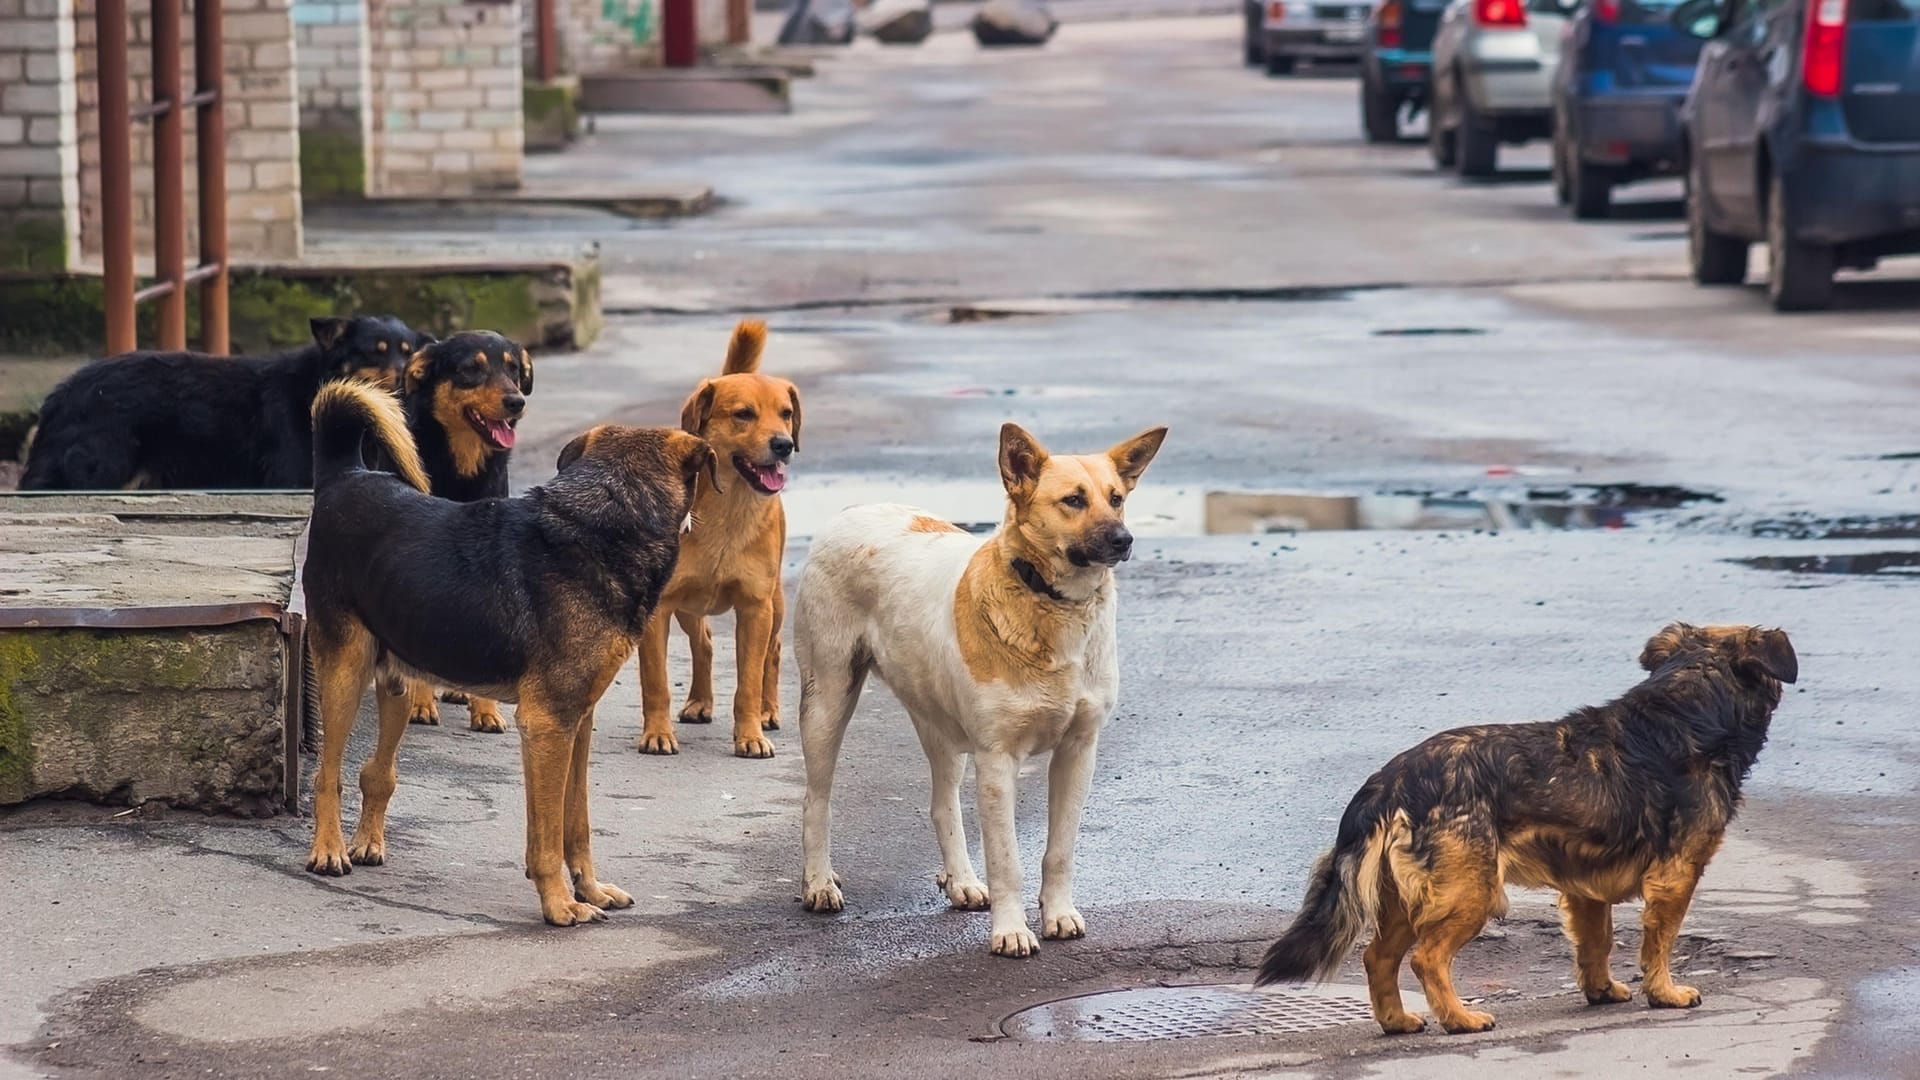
(793, 398)
(576, 449)
(526, 372)
(1132, 457)
(1770, 651)
(694, 414)
(696, 456)
(1021, 459)
(327, 331)
(1661, 646)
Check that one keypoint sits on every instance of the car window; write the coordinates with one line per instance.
(1884, 10)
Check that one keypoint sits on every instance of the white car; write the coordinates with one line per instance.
(1493, 65)
(1280, 33)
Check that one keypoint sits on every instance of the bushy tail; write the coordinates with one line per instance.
(743, 352)
(345, 415)
(1343, 896)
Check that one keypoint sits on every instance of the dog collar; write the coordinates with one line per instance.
(1032, 579)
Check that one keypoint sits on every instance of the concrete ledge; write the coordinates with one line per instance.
(687, 90)
(552, 113)
(638, 201)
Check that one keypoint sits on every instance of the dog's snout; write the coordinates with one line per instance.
(781, 445)
(515, 404)
(1119, 543)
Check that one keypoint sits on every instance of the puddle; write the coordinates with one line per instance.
(1903, 527)
(1871, 563)
(1430, 331)
(1156, 1013)
(1163, 511)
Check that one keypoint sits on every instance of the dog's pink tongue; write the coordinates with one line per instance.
(502, 433)
(772, 478)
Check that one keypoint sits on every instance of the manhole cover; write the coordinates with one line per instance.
(1191, 1012)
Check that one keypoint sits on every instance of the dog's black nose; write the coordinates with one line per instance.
(515, 404)
(781, 446)
(1120, 543)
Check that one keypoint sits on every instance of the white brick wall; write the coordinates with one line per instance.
(39, 143)
(445, 102)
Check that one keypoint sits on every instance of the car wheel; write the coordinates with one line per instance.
(1279, 65)
(1715, 258)
(1479, 144)
(1799, 274)
(1252, 54)
(1379, 113)
(1440, 143)
(1562, 187)
(1590, 189)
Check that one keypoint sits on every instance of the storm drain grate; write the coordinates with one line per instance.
(1188, 1012)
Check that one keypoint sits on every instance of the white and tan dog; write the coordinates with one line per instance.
(1001, 650)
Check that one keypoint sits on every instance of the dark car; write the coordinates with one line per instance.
(1397, 65)
(1624, 73)
(1802, 130)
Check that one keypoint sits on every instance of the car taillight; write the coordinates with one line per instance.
(1499, 13)
(1390, 24)
(1826, 47)
(1606, 12)
(1276, 10)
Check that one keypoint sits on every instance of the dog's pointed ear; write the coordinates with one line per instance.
(1661, 646)
(419, 367)
(793, 428)
(576, 449)
(1769, 651)
(694, 414)
(1021, 459)
(1131, 458)
(526, 372)
(327, 331)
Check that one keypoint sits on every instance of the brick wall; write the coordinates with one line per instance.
(330, 43)
(446, 110)
(263, 148)
(601, 35)
(39, 158)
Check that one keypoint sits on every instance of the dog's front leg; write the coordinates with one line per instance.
(1068, 777)
(423, 705)
(1668, 891)
(546, 755)
(998, 774)
(770, 687)
(753, 623)
(587, 887)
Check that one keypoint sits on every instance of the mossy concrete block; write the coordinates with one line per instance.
(32, 242)
(552, 113)
(191, 717)
(333, 164)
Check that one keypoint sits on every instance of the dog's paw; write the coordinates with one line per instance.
(602, 895)
(1062, 924)
(454, 697)
(697, 712)
(368, 852)
(659, 742)
(1468, 1022)
(428, 713)
(1018, 941)
(1404, 1024)
(964, 893)
(771, 721)
(823, 896)
(329, 860)
(571, 913)
(752, 746)
(1612, 995)
(1673, 996)
(486, 718)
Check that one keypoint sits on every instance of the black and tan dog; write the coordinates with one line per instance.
(464, 397)
(189, 420)
(536, 600)
(1625, 799)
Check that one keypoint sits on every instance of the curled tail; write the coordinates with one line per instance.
(1343, 896)
(345, 414)
(743, 352)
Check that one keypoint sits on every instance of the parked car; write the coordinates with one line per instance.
(1803, 131)
(1280, 33)
(1396, 65)
(1493, 66)
(1624, 73)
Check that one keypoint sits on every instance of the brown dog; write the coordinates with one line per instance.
(730, 557)
(1625, 799)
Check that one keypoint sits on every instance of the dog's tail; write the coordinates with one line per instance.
(345, 415)
(1343, 896)
(743, 352)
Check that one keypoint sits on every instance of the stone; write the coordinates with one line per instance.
(818, 22)
(1013, 22)
(898, 22)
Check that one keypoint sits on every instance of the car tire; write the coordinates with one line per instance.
(1279, 65)
(1799, 274)
(1252, 53)
(1590, 189)
(1478, 143)
(1562, 186)
(1714, 257)
(1379, 113)
(1440, 142)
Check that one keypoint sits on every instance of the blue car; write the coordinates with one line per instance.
(1802, 131)
(1396, 65)
(1624, 73)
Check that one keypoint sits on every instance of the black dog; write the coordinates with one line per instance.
(1625, 799)
(537, 600)
(189, 420)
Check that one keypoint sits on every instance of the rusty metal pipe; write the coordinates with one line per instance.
(116, 172)
(209, 74)
(169, 180)
(546, 40)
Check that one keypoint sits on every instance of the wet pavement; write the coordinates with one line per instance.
(1438, 456)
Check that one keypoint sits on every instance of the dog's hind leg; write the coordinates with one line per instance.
(587, 888)
(656, 723)
(997, 774)
(964, 889)
(1589, 925)
(547, 752)
(423, 705)
(1463, 891)
(381, 774)
(829, 691)
(341, 663)
(699, 706)
(1069, 775)
(1668, 891)
(1392, 937)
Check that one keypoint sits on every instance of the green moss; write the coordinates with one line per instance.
(552, 113)
(267, 312)
(17, 656)
(333, 165)
(33, 242)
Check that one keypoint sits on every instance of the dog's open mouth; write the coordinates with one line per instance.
(766, 479)
(498, 433)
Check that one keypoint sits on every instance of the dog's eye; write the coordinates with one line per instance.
(1114, 500)
(786, 414)
(1076, 501)
(743, 414)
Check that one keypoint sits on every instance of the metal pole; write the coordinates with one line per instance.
(545, 40)
(209, 73)
(169, 179)
(679, 33)
(116, 173)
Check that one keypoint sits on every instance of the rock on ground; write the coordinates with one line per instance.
(1014, 22)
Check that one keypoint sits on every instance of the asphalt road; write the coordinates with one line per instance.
(1172, 239)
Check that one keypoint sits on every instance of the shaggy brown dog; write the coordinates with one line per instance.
(1627, 799)
(730, 558)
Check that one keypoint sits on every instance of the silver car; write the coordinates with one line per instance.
(1279, 33)
(1493, 65)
